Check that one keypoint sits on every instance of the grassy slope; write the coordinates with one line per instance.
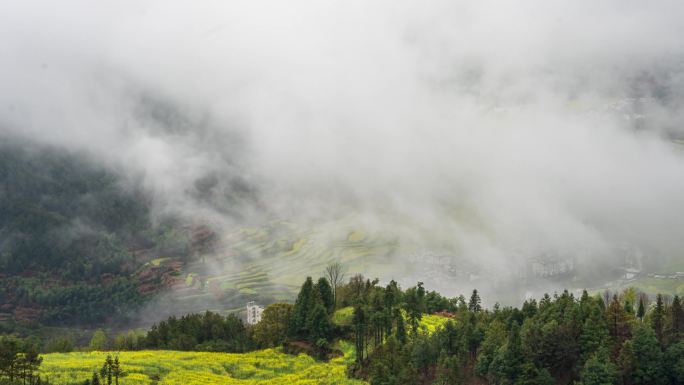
(268, 366)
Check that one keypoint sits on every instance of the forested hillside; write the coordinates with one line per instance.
(386, 335)
(69, 232)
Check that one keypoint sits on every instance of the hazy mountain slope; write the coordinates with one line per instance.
(68, 228)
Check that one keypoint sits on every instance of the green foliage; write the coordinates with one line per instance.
(65, 213)
(272, 330)
(19, 361)
(311, 314)
(130, 340)
(641, 310)
(674, 362)
(617, 321)
(389, 363)
(70, 221)
(676, 325)
(594, 332)
(318, 324)
(59, 345)
(626, 362)
(506, 366)
(495, 337)
(561, 339)
(449, 370)
(531, 375)
(648, 358)
(658, 318)
(414, 305)
(598, 370)
(99, 341)
(200, 332)
(84, 303)
(324, 291)
(302, 307)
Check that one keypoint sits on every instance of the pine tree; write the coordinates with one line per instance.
(594, 333)
(629, 308)
(401, 328)
(390, 300)
(674, 362)
(507, 365)
(648, 358)
(414, 305)
(300, 312)
(598, 370)
(658, 318)
(106, 370)
(495, 337)
(326, 294)
(641, 311)
(31, 361)
(618, 326)
(318, 325)
(626, 362)
(530, 375)
(116, 370)
(475, 304)
(387, 364)
(677, 319)
(449, 370)
(359, 322)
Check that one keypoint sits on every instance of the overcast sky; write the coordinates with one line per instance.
(500, 127)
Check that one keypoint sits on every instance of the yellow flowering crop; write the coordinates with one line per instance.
(269, 366)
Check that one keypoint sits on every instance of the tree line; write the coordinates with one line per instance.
(625, 338)
(19, 362)
(560, 339)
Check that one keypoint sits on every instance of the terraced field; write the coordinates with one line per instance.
(268, 264)
(268, 366)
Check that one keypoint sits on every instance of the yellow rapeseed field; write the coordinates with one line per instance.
(164, 367)
(431, 322)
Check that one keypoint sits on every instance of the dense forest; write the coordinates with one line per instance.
(614, 339)
(70, 228)
(623, 338)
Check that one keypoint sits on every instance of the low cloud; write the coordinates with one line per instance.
(494, 130)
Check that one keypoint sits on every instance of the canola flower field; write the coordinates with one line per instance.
(431, 322)
(428, 324)
(269, 366)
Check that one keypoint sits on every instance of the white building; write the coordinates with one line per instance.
(253, 313)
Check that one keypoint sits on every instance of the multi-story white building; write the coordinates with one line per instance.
(253, 313)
